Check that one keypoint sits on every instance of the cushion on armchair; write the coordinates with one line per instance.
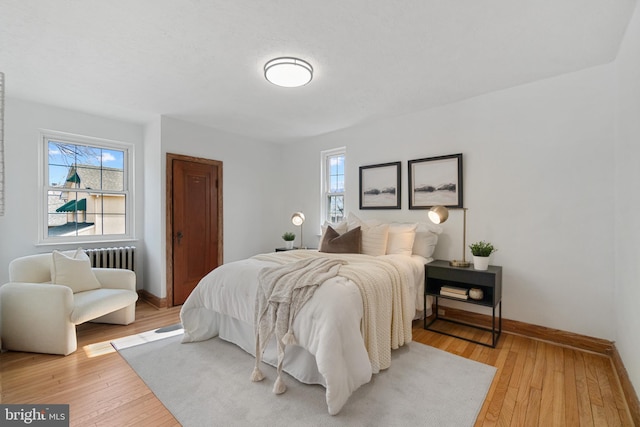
(74, 272)
(90, 305)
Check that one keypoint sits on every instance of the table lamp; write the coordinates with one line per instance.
(297, 219)
(438, 215)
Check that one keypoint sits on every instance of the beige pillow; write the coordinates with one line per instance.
(374, 234)
(401, 237)
(73, 271)
(347, 243)
(426, 239)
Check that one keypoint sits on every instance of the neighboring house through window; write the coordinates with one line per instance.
(333, 184)
(86, 189)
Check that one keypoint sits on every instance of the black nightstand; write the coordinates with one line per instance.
(439, 273)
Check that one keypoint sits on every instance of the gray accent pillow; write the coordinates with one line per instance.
(336, 243)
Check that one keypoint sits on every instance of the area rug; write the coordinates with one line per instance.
(207, 384)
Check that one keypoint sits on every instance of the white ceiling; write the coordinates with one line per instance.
(202, 60)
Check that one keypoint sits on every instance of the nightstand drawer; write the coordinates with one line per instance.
(468, 275)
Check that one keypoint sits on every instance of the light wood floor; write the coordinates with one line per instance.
(537, 383)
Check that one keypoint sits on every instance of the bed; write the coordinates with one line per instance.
(336, 344)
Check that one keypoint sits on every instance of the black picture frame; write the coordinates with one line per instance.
(380, 186)
(435, 181)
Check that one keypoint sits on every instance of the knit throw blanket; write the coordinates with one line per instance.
(281, 294)
(386, 321)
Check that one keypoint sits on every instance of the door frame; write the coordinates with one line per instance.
(169, 215)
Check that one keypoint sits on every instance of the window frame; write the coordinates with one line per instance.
(325, 180)
(44, 186)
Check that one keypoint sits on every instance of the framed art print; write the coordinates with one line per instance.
(380, 186)
(435, 181)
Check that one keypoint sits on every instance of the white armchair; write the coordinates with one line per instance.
(40, 315)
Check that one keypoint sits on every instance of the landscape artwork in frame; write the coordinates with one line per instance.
(435, 181)
(380, 186)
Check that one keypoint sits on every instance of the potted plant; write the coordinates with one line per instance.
(481, 251)
(288, 238)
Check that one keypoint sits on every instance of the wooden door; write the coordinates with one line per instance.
(196, 223)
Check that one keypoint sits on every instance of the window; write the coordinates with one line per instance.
(85, 189)
(333, 185)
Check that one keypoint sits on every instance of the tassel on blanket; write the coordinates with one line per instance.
(289, 338)
(257, 375)
(279, 387)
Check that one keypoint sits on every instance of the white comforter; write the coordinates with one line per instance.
(328, 326)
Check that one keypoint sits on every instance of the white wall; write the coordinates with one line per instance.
(627, 184)
(538, 178)
(154, 218)
(251, 190)
(23, 120)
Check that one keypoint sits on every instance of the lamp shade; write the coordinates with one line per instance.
(297, 218)
(288, 72)
(438, 214)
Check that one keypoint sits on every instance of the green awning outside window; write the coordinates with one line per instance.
(74, 178)
(73, 205)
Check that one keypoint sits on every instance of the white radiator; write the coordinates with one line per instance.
(122, 257)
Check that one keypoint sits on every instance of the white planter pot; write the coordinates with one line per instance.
(480, 262)
(288, 244)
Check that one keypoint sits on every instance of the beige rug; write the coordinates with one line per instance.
(207, 384)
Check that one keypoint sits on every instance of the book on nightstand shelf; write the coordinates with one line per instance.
(454, 290)
(453, 295)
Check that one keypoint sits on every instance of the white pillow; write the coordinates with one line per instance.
(426, 239)
(74, 272)
(374, 234)
(401, 238)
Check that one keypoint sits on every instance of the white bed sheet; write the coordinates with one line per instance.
(330, 349)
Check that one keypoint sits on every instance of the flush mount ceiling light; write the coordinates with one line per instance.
(288, 72)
